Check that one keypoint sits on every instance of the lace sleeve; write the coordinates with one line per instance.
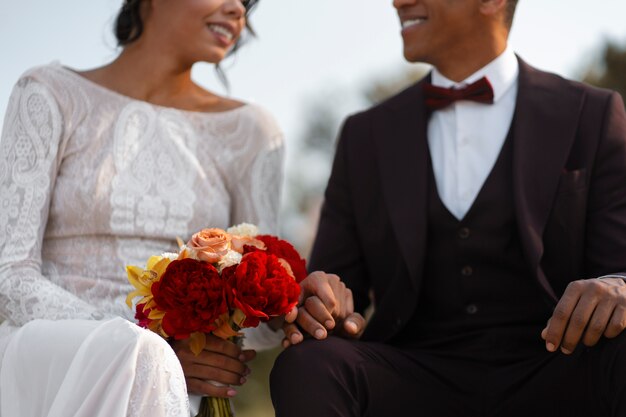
(30, 153)
(256, 200)
(257, 191)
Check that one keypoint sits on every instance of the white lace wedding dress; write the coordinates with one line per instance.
(90, 181)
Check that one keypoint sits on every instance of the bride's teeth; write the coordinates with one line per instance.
(222, 31)
(411, 22)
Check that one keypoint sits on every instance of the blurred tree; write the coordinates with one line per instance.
(307, 177)
(383, 89)
(610, 70)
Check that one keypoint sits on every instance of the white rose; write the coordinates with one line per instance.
(243, 229)
(231, 258)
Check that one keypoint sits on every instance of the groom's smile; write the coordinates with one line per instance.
(438, 32)
(409, 23)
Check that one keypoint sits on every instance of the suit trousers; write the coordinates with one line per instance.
(495, 373)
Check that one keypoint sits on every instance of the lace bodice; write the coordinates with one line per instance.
(91, 181)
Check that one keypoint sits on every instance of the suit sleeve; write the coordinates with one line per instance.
(337, 249)
(606, 213)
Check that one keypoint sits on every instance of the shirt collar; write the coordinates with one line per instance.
(502, 73)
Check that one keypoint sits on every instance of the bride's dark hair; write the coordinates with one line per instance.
(129, 25)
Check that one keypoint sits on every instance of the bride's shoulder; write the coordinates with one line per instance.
(261, 121)
(47, 74)
(260, 116)
(53, 79)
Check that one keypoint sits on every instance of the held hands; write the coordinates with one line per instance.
(221, 361)
(588, 309)
(325, 305)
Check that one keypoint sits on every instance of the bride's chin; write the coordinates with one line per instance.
(214, 57)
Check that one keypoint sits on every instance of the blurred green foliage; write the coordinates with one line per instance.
(610, 70)
(253, 398)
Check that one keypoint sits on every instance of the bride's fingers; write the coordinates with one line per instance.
(202, 387)
(292, 315)
(314, 314)
(219, 361)
(293, 336)
(225, 347)
(211, 373)
(247, 355)
(323, 286)
(313, 325)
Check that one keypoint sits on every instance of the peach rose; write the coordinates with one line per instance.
(238, 242)
(210, 245)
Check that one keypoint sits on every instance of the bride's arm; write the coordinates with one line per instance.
(256, 183)
(30, 155)
(256, 199)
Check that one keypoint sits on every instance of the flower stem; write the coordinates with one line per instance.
(215, 407)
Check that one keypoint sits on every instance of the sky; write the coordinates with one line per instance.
(306, 50)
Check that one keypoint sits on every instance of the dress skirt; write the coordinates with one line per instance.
(86, 368)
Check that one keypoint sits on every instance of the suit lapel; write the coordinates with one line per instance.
(544, 130)
(400, 132)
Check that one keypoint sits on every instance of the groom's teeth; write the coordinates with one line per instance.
(411, 22)
(222, 31)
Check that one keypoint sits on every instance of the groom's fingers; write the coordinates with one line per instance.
(354, 325)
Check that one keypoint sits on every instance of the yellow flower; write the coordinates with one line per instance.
(142, 279)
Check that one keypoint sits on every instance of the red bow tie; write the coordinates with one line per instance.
(439, 97)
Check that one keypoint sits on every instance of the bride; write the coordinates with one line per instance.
(103, 168)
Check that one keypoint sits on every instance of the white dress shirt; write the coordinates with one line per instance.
(466, 137)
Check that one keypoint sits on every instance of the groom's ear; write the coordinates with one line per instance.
(493, 7)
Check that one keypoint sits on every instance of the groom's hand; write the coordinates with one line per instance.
(588, 310)
(325, 305)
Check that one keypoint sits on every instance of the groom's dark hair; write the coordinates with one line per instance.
(510, 12)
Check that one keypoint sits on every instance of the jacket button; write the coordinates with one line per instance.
(464, 232)
(467, 271)
(471, 309)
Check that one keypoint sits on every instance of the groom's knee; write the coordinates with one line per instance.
(311, 363)
(317, 377)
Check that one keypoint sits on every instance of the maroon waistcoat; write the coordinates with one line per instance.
(475, 275)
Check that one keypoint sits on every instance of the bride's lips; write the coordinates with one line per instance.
(225, 33)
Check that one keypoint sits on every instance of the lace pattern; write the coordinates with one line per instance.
(159, 387)
(91, 181)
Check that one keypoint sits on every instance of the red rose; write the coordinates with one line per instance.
(260, 287)
(142, 316)
(192, 296)
(283, 249)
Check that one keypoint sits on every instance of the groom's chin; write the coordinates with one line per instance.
(415, 52)
(412, 57)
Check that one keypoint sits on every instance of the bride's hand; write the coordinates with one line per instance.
(221, 364)
(326, 305)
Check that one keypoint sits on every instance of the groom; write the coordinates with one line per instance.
(471, 209)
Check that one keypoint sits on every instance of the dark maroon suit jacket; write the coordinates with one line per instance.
(569, 175)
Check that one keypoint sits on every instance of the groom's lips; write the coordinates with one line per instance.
(409, 23)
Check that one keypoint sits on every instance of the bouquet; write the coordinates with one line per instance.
(219, 282)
